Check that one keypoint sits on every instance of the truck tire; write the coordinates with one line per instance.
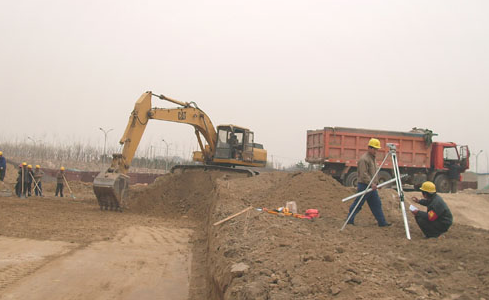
(442, 183)
(383, 177)
(352, 179)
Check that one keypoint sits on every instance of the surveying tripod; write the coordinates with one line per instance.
(397, 177)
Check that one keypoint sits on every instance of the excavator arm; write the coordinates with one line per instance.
(109, 186)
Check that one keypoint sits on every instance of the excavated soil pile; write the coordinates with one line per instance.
(265, 256)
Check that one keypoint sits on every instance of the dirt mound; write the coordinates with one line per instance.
(264, 256)
(176, 195)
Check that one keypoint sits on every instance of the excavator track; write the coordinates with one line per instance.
(182, 168)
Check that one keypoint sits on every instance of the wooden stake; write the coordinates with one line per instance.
(233, 216)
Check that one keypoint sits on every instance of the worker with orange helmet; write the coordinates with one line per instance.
(366, 171)
(38, 173)
(3, 166)
(438, 217)
(60, 182)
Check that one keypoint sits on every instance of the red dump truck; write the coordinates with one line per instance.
(338, 149)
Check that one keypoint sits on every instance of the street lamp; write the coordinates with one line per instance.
(105, 141)
(477, 162)
(166, 160)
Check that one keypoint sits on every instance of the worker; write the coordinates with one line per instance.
(366, 170)
(60, 182)
(454, 170)
(38, 173)
(18, 184)
(21, 187)
(233, 142)
(30, 176)
(438, 217)
(3, 166)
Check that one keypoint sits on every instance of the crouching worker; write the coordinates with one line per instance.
(438, 217)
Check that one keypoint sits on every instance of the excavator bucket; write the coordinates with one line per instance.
(109, 189)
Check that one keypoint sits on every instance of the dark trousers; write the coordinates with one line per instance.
(2, 174)
(29, 189)
(17, 189)
(38, 189)
(374, 203)
(431, 229)
(453, 185)
(59, 190)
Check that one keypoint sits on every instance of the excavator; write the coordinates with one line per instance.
(226, 148)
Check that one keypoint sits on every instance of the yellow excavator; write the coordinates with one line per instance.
(225, 148)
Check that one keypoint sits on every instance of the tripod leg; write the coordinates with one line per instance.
(400, 193)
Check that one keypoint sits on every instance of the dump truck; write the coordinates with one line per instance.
(229, 147)
(337, 150)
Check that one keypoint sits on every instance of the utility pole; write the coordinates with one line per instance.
(106, 132)
(166, 159)
(477, 162)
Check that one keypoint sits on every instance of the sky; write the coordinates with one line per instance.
(280, 68)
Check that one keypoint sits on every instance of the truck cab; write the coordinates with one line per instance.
(442, 156)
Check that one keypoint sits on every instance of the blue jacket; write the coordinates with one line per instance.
(3, 163)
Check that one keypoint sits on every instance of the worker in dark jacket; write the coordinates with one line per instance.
(454, 170)
(3, 166)
(30, 176)
(366, 171)
(38, 173)
(438, 217)
(18, 185)
(21, 186)
(60, 182)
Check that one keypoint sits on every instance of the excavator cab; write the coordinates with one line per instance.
(235, 146)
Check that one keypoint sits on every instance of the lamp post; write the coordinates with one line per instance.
(106, 132)
(166, 159)
(477, 162)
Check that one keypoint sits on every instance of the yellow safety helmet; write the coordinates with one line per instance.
(38, 166)
(428, 187)
(374, 143)
(29, 166)
(1, 153)
(62, 168)
(24, 164)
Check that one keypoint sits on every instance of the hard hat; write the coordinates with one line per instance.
(29, 166)
(24, 164)
(1, 153)
(38, 166)
(62, 168)
(374, 143)
(428, 187)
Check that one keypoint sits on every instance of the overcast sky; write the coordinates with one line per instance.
(276, 67)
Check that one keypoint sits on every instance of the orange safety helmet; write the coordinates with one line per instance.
(62, 168)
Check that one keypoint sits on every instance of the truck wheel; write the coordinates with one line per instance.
(442, 183)
(385, 176)
(352, 179)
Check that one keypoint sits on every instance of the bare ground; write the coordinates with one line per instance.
(165, 246)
